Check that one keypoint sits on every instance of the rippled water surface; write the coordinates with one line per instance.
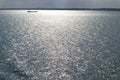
(60, 45)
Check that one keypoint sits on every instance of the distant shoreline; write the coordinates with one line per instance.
(99, 9)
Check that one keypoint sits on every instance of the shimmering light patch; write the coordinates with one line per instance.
(60, 12)
(55, 12)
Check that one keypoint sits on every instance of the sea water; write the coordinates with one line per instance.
(59, 45)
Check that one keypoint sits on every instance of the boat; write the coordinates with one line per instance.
(32, 11)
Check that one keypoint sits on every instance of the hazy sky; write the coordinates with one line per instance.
(59, 3)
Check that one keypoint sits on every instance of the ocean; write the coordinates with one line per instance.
(59, 45)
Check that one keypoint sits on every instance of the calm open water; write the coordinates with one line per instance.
(60, 45)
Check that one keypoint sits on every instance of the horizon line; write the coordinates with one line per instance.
(59, 8)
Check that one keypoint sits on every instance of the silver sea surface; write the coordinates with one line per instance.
(60, 45)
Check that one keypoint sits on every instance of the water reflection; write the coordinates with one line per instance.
(59, 47)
